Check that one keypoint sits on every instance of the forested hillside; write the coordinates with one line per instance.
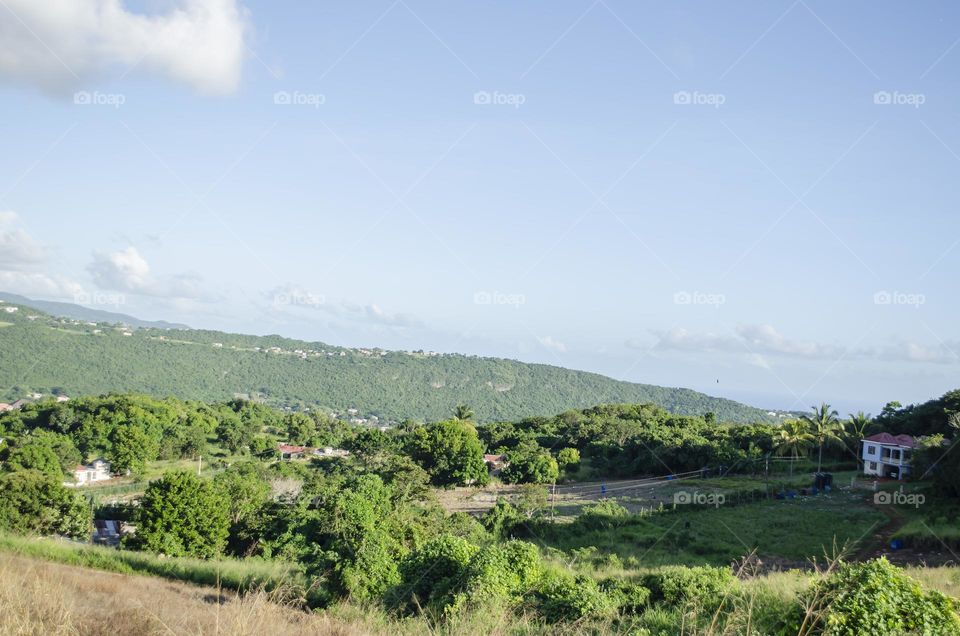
(46, 354)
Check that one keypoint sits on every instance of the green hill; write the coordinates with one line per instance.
(42, 353)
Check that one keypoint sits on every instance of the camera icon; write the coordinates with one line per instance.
(482, 98)
(682, 298)
(682, 498)
(282, 98)
(482, 298)
(882, 498)
(882, 97)
(682, 97)
(882, 298)
(82, 97)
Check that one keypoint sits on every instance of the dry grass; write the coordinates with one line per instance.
(39, 598)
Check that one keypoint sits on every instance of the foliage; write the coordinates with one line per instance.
(562, 596)
(568, 459)
(451, 452)
(877, 598)
(528, 463)
(679, 585)
(183, 515)
(432, 574)
(34, 502)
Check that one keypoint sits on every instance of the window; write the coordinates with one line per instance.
(871, 449)
(873, 465)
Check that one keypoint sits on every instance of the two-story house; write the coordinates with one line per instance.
(887, 455)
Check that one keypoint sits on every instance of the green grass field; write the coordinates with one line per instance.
(790, 530)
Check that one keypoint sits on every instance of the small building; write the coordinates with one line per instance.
(495, 463)
(97, 470)
(4, 407)
(289, 451)
(886, 455)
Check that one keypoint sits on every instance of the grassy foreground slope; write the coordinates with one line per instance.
(44, 353)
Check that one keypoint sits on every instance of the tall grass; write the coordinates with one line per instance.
(234, 574)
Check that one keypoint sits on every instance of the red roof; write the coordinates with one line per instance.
(892, 440)
(494, 458)
(287, 448)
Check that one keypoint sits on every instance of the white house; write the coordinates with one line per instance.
(887, 455)
(98, 470)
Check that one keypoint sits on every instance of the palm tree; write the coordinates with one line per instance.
(856, 429)
(463, 413)
(793, 438)
(824, 426)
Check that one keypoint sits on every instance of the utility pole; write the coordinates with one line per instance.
(200, 465)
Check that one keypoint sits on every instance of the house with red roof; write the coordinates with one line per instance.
(886, 455)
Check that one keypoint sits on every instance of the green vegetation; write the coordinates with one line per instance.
(211, 366)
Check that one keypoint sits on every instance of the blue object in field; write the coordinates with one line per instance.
(791, 494)
(603, 489)
(669, 477)
(827, 488)
(896, 544)
(814, 491)
(780, 495)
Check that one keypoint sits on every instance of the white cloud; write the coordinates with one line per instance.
(59, 44)
(549, 342)
(127, 271)
(292, 299)
(766, 339)
(21, 258)
(18, 250)
(759, 342)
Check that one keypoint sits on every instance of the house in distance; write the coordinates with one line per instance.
(886, 455)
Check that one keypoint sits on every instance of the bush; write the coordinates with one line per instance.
(431, 574)
(602, 515)
(564, 597)
(677, 585)
(877, 598)
(628, 597)
(501, 571)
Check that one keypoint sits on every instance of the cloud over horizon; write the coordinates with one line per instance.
(127, 271)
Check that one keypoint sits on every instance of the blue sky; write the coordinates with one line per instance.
(757, 200)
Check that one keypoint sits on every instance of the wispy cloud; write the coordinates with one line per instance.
(127, 271)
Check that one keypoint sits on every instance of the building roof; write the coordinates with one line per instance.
(891, 440)
(494, 458)
(289, 448)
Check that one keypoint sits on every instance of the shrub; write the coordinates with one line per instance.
(562, 596)
(501, 519)
(877, 598)
(501, 571)
(602, 515)
(431, 574)
(628, 597)
(676, 585)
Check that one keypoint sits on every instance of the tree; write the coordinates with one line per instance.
(451, 452)
(132, 449)
(33, 456)
(463, 413)
(300, 428)
(183, 515)
(794, 437)
(568, 458)
(34, 502)
(824, 426)
(531, 499)
(244, 488)
(528, 463)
